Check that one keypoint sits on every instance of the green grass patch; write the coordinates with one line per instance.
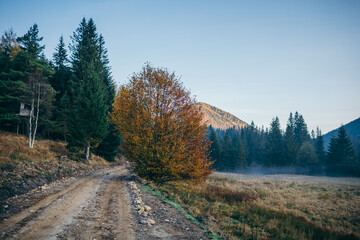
(171, 201)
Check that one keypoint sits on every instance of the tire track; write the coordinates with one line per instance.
(116, 221)
(73, 212)
(107, 216)
(48, 223)
(12, 225)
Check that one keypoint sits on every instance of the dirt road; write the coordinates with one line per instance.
(96, 207)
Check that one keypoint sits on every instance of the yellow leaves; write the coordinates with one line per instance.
(161, 127)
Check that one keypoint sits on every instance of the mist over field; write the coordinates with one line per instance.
(301, 172)
(287, 175)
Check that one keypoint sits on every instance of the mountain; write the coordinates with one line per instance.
(218, 118)
(353, 131)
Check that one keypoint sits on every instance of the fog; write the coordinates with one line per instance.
(287, 175)
(315, 171)
(259, 170)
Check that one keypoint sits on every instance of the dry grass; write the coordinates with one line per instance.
(334, 205)
(231, 196)
(15, 148)
(301, 207)
(23, 168)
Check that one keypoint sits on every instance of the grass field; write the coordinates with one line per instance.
(275, 206)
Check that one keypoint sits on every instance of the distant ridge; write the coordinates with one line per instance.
(353, 130)
(220, 119)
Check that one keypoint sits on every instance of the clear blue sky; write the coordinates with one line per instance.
(254, 59)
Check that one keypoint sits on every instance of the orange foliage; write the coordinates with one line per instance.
(161, 127)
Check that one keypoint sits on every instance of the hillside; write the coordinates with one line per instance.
(352, 129)
(220, 119)
(23, 168)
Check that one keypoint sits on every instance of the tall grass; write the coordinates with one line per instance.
(246, 209)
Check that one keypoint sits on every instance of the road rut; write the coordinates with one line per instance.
(95, 207)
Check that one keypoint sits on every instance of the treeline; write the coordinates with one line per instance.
(238, 149)
(67, 98)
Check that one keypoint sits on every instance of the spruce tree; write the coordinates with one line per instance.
(239, 154)
(89, 94)
(300, 130)
(24, 79)
(227, 152)
(341, 155)
(319, 147)
(290, 145)
(109, 145)
(61, 83)
(12, 82)
(31, 42)
(214, 148)
(274, 145)
(60, 80)
(40, 93)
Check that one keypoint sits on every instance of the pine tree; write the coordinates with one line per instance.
(12, 82)
(300, 130)
(341, 154)
(31, 42)
(61, 83)
(60, 80)
(109, 145)
(290, 145)
(40, 93)
(239, 154)
(214, 148)
(88, 124)
(227, 151)
(319, 147)
(247, 146)
(274, 145)
(24, 79)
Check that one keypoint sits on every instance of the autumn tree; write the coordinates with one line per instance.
(162, 127)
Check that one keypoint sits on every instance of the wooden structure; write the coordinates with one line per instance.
(25, 110)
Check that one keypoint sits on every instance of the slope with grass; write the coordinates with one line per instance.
(23, 168)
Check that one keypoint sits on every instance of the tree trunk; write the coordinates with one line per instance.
(30, 123)
(37, 117)
(87, 152)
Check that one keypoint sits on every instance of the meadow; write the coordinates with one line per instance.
(238, 206)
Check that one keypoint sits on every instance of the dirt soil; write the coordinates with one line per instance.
(98, 206)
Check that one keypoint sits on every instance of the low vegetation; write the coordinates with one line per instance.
(270, 208)
(23, 168)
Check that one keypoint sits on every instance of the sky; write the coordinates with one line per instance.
(254, 59)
